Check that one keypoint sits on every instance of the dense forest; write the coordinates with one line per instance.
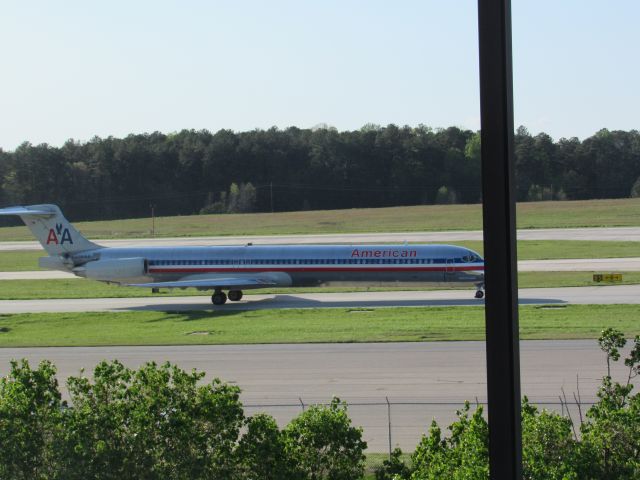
(299, 169)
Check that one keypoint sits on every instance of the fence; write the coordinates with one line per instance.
(388, 424)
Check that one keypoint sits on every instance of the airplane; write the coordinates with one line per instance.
(237, 268)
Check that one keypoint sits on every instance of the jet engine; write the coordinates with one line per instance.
(113, 270)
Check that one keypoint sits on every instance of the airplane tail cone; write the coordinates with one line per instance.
(56, 235)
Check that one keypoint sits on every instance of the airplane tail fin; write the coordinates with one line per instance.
(56, 235)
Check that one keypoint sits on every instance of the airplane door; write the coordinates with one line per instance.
(238, 259)
(449, 270)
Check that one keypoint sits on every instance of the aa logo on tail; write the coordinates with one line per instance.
(59, 235)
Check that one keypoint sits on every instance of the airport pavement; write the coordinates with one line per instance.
(421, 380)
(621, 234)
(570, 265)
(605, 295)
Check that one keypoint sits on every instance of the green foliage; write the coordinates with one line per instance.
(156, 422)
(323, 443)
(610, 341)
(30, 412)
(549, 451)
(262, 452)
(239, 199)
(446, 195)
(461, 456)
(611, 437)
(322, 168)
(160, 422)
(393, 468)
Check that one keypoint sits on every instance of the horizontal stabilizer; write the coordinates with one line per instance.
(210, 283)
(26, 211)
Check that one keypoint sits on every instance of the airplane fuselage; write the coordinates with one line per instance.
(306, 265)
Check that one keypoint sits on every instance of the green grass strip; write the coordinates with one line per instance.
(304, 325)
(586, 213)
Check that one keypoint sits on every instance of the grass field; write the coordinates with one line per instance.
(588, 213)
(22, 260)
(81, 288)
(305, 325)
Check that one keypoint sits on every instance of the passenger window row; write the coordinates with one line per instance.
(311, 261)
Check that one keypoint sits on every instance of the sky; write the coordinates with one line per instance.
(76, 69)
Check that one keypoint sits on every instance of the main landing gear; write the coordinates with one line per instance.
(220, 298)
(480, 291)
(235, 295)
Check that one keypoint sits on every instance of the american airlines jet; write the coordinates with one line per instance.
(237, 268)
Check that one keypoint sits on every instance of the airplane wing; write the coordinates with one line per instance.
(211, 283)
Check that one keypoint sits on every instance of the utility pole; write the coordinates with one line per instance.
(153, 219)
(271, 190)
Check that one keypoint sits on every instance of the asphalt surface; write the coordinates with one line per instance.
(276, 378)
(604, 234)
(620, 294)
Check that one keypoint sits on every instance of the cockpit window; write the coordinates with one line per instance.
(471, 257)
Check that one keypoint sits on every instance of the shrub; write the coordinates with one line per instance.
(324, 445)
(30, 410)
(463, 455)
(549, 451)
(262, 451)
(155, 422)
(393, 468)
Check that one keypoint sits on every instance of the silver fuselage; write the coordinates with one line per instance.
(306, 265)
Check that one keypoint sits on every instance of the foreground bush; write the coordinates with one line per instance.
(30, 422)
(323, 444)
(606, 448)
(160, 422)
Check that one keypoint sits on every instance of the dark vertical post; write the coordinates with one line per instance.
(153, 219)
(501, 305)
(389, 421)
(271, 190)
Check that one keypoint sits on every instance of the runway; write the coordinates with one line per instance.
(421, 380)
(621, 234)
(605, 295)
(570, 265)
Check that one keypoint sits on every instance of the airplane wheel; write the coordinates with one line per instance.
(219, 298)
(235, 295)
(479, 294)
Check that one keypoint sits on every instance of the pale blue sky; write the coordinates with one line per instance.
(75, 69)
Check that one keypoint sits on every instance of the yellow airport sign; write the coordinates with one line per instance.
(607, 277)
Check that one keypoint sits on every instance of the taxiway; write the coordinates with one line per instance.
(605, 295)
(421, 380)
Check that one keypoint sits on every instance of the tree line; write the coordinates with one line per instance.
(301, 169)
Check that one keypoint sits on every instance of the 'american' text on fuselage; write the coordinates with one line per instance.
(356, 253)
